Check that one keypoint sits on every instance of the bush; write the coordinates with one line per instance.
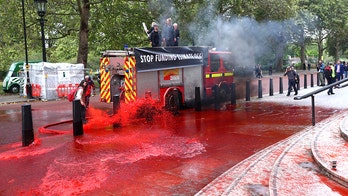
(1, 91)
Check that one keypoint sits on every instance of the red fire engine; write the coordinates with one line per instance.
(166, 72)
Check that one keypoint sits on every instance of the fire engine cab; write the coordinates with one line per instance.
(166, 74)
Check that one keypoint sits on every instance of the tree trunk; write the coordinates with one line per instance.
(337, 50)
(280, 53)
(303, 49)
(320, 51)
(303, 56)
(320, 47)
(82, 55)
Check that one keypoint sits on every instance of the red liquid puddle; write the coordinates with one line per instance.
(138, 111)
(145, 150)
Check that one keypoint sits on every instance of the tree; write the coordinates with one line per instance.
(338, 28)
(83, 7)
(302, 30)
(330, 21)
(78, 30)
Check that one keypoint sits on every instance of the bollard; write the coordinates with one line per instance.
(305, 81)
(334, 165)
(233, 94)
(198, 105)
(312, 80)
(28, 89)
(27, 126)
(216, 97)
(280, 85)
(115, 103)
(318, 79)
(77, 121)
(247, 91)
(260, 88)
(271, 87)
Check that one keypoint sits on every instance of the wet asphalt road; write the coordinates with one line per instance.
(173, 155)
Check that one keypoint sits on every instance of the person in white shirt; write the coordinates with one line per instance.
(81, 95)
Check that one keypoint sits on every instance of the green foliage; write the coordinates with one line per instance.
(114, 24)
(1, 91)
(331, 22)
(312, 50)
(64, 50)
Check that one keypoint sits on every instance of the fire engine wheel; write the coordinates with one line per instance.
(14, 88)
(224, 93)
(173, 102)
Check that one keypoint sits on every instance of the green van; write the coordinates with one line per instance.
(15, 77)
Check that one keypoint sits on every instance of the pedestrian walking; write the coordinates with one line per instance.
(329, 72)
(320, 69)
(291, 79)
(338, 70)
(258, 71)
(345, 68)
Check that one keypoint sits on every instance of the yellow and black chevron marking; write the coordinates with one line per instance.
(130, 79)
(105, 80)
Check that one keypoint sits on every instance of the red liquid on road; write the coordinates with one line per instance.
(144, 150)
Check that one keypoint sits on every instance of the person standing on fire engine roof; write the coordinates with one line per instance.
(176, 34)
(80, 95)
(168, 33)
(155, 36)
(151, 29)
(291, 79)
(90, 87)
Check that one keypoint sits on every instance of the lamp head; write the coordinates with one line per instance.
(41, 7)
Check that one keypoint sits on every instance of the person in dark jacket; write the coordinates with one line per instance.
(329, 73)
(168, 33)
(151, 29)
(291, 79)
(320, 69)
(155, 37)
(90, 88)
(176, 34)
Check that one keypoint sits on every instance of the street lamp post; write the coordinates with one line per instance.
(41, 11)
(28, 85)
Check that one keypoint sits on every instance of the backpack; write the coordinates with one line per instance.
(71, 95)
(327, 71)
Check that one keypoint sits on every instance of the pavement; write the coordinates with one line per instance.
(311, 162)
(11, 99)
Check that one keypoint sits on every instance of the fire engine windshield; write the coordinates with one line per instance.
(224, 59)
(214, 62)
